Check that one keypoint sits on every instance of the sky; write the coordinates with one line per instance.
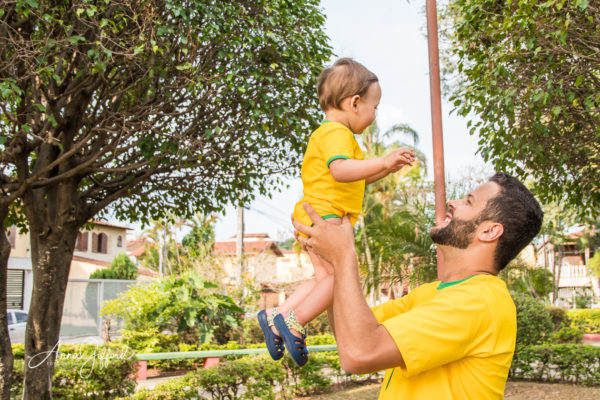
(389, 38)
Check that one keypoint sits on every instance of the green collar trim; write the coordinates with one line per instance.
(325, 120)
(443, 285)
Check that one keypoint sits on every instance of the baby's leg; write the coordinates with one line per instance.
(313, 298)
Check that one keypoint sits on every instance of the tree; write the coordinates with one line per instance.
(380, 235)
(146, 106)
(184, 304)
(120, 268)
(527, 73)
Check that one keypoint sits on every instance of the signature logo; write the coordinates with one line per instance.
(100, 357)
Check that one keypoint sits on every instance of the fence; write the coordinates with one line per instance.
(83, 302)
(211, 357)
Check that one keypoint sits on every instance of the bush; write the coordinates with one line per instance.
(588, 320)
(534, 322)
(255, 377)
(559, 316)
(85, 371)
(558, 363)
(567, 334)
(319, 326)
(121, 268)
(183, 304)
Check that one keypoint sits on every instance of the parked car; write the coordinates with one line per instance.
(17, 319)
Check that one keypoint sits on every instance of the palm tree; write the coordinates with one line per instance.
(388, 234)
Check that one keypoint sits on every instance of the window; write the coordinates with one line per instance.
(21, 317)
(119, 241)
(82, 241)
(15, 279)
(100, 243)
(11, 234)
(9, 317)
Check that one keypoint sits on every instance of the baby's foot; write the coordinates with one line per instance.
(271, 312)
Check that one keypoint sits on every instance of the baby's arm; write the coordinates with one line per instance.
(371, 169)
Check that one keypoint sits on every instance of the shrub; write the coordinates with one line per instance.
(588, 320)
(183, 304)
(534, 322)
(255, 377)
(182, 388)
(86, 371)
(320, 340)
(559, 316)
(566, 334)
(319, 326)
(121, 268)
(558, 363)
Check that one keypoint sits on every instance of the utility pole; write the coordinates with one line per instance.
(240, 241)
(436, 119)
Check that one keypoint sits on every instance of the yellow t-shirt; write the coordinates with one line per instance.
(457, 342)
(330, 198)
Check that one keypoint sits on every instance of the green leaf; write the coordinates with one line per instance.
(76, 39)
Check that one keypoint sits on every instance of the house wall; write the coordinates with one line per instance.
(113, 248)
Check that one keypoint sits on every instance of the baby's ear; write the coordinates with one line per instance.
(354, 102)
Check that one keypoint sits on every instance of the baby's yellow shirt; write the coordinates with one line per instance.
(330, 198)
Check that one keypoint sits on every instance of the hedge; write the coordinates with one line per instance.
(569, 363)
(85, 371)
(254, 377)
(587, 320)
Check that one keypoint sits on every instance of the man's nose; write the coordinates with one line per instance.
(452, 205)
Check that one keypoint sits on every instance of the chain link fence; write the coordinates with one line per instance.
(83, 302)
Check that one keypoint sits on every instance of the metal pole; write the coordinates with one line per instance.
(436, 118)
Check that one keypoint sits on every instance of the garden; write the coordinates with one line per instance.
(185, 314)
(163, 112)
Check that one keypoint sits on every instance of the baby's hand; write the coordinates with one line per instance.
(399, 158)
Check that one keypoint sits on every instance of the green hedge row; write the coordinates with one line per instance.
(142, 342)
(587, 320)
(84, 371)
(256, 377)
(571, 363)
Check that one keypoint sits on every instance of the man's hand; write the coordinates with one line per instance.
(331, 242)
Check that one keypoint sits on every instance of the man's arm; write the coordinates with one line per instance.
(364, 345)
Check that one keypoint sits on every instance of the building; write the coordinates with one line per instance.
(94, 249)
(276, 271)
(569, 263)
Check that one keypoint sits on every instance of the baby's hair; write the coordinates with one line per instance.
(343, 79)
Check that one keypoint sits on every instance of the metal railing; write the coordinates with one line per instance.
(219, 353)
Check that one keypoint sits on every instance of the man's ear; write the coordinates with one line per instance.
(489, 231)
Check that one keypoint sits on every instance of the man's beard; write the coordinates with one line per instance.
(458, 233)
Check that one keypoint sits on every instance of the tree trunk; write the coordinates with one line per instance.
(6, 354)
(557, 267)
(51, 254)
(370, 266)
(54, 218)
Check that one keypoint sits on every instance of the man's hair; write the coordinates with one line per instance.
(343, 79)
(519, 213)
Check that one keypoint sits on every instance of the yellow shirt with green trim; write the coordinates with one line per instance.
(457, 340)
(330, 198)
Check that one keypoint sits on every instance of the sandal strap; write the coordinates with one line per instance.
(270, 318)
(293, 323)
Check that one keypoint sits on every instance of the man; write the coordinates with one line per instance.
(451, 339)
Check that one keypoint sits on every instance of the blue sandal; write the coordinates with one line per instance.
(273, 341)
(295, 345)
